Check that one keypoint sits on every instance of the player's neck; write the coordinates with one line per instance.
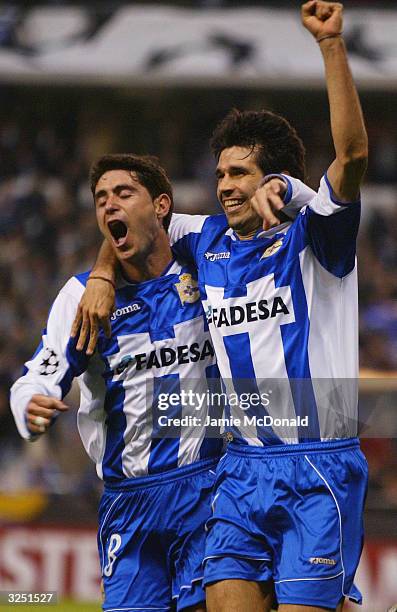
(247, 235)
(145, 266)
(249, 229)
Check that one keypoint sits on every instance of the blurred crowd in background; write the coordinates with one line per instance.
(48, 233)
(192, 3)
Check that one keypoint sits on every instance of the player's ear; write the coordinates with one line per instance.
(162, 205)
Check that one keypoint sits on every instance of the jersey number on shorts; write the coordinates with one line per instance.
(114, 545)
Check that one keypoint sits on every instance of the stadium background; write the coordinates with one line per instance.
(55, 118)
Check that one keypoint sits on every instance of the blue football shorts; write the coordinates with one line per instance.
(291, 514)
(151, 539)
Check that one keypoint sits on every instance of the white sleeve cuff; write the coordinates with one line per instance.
(297, 195)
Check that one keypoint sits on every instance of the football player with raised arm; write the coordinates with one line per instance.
(281, 304)
(289, 495)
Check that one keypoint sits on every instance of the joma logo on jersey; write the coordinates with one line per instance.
(217, 256)
(167, 356)
(250, 312)
(119, 312)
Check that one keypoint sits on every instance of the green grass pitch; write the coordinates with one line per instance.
(62, 606)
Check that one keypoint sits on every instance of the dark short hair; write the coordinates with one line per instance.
(147, 169)
(276, 141)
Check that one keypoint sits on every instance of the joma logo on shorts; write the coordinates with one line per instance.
(322, 561)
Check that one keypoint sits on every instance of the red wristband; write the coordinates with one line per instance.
(107, 280)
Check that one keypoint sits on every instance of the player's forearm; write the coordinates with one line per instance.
(50, 371)
(106, 263)
(347, 123)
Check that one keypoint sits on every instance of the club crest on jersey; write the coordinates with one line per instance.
(187, 288)
(273, 248)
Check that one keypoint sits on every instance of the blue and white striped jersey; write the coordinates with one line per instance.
(282, 313)
(160, 343)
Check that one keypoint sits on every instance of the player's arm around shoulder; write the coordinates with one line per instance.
(185, 232)
(97, 301)
(36, 397)
(324, 20)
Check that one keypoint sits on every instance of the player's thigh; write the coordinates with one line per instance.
(300, 608)
(188, 549)
(133, 557)
(322, 539)
(238, 595)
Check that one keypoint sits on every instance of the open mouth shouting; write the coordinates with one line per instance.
(119, 232)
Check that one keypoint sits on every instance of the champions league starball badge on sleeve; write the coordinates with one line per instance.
(49, 363)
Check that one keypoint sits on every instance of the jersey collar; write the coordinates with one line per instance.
(264, 234)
